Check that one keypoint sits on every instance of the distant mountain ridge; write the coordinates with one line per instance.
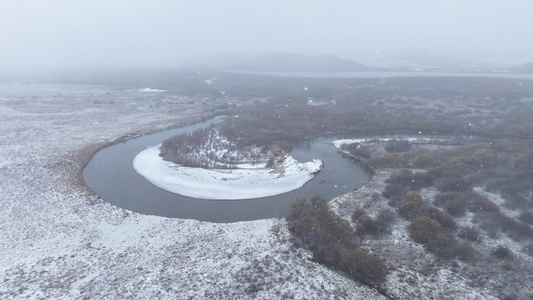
(400, 60)
(524, 68)
(414, 59)
(281, 62)
(300, 63)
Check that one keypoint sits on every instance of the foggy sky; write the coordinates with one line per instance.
(160, 33)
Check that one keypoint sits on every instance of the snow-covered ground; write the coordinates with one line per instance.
(246, 182)
(414, 272)
(60, 241)
(150, 90)
(417, 274)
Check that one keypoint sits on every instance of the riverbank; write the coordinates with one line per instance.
(247, 181)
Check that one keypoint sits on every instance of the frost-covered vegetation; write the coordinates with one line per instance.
(332, 241)
(207, 148)
(462, 106)
(447, 199)
(60, 241)
(448, 220)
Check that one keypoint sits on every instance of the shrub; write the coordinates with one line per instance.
(394, 189)
(482, 204)
(443, 218)
(407, 178)
(332, 240)
(516, 229)
(367, 225)
(422, 179)
(357, 213)
(393, 160)
(488, 222)
(363, 152)
(453, 169)
(285, 147)
(395, 145)
(386, 215)
(441, 199)
(360, 264)
(412, 206)
(470, 234)
(502, 252)
(434, 237)
(496, 222)
(484, 157)
(465, 252)
(357, 150)
(443, 245)
(453, 184)
(456, 208)
(424, 161)
(515, 187)
(318, 228)
(402, 177)
(306, 229)
(395, 201)
(456, 203)
(269, 163)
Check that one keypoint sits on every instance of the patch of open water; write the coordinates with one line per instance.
(110, 175)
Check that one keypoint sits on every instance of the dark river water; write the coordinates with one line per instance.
(110, 175)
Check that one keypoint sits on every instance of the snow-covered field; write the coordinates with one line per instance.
(246, 182)
(60, 241)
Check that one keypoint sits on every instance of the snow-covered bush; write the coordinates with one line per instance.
(435, 238)
(332, 240)
(395, 145)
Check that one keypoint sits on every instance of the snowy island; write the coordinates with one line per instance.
(247, 181)
(207, 164)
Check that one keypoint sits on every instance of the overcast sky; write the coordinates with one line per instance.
(164, 32)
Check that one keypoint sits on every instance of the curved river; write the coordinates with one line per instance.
(110, 174)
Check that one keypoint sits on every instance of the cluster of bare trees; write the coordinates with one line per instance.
(201, 148)
(207, 148)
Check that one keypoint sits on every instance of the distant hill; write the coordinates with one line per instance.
(299, 63)
(414, 59)
(279, 62)
(525, 68)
